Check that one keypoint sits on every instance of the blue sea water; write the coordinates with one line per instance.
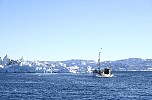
(36, 86)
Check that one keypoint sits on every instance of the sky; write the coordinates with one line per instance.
(57, 30)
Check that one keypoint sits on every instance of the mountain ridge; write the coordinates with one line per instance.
(73, 65)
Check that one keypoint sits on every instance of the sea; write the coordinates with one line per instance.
(133, 85)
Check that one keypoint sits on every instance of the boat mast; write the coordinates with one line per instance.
(99, 60)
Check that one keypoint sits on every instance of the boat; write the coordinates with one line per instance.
(106, 72)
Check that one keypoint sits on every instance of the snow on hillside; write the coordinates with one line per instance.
(22, 65)
(72, 66)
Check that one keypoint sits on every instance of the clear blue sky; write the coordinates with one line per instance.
(76, 29)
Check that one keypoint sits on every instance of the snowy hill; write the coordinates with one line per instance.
(72, 66)
(131, 64)
(22, 65)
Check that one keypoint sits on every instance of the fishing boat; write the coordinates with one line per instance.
(106, 72)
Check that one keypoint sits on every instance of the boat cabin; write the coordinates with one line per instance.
(106, 71)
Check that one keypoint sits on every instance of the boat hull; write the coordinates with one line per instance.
(104, 75)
